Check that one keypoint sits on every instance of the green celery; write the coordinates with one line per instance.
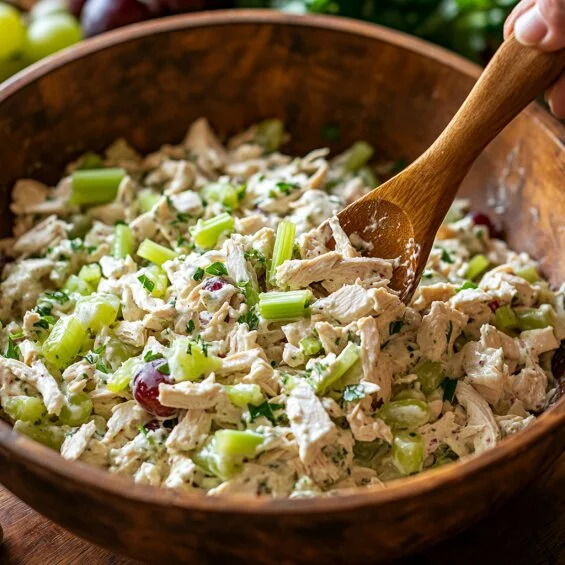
(95, 186)
(243, 394)
(477, 266)
(505, 319)
(189, 361)
(270, 134)
(98, 311)
(226, 194)
(207, 232)
(91, 274)
(123, 375)
(146, 199)
(155, 253)
(284, 247)
(310, 345)
(77, 285)
(430, 375)
(358, 155)
(64, 341)
(285, 306)
(344, 361)
(534, 318)
(122, 245)
(528, 273)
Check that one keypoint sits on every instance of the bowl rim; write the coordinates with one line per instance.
(101, 481)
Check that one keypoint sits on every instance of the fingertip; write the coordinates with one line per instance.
(555, 98)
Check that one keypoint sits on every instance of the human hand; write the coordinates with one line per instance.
(541, 24)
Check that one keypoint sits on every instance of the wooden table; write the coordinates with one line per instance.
(527, 531)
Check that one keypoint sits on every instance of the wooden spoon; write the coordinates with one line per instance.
(401, 217)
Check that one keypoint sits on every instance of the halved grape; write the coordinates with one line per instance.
(51, 34)
(76, 410)
(26, 408)
(46, 8)
(12, 32)
(145, 388)
(99, 16)
(408, 452)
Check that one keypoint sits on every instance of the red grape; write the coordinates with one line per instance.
(102, 15)
(483, 220)
(214, 284)
(76, 6)
(146, 388)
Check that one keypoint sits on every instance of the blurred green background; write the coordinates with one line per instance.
(470, 27)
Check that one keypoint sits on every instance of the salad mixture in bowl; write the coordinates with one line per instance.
(180, 318)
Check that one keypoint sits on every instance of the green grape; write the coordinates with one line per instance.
(405, 414)
(45, 8)
(408, 452)
(51, 34)
(76, 410)
(26, 408)
(10, 67)
(12, 32)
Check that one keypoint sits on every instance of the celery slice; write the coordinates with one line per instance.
(226, 194)
(534, 318)
(95, 186)
(284, 247)
(207, 232)
(285, 306)
(243, 394)
(76, 410)
(344, 361)
(146, 199)
(64, 341)
(477, 266)
(505, 319)
(98, 311)
(270, 134)
(76, 285)
(529, 273)
(405, 414)
(155, 253)
(122, 377)
(91, 274)
(430, 375)
(310, 345)
(235, 443)
(358, 155)
(26, 408)
(189, 361)
(122, 246)
(408, 452)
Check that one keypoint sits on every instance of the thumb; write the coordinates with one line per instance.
(543, 25)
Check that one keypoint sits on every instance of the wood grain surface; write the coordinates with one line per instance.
(527, 531)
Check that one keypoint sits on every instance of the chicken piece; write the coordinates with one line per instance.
(121, 154)
(530, 387)
(507, 287)
(493, 338)
(388, 308)
(334, 461)
(370, 354)
(187, 202)
(309, 422)
(74, 445)
(202, 142)
(330, 336)
(96, 453)
(473, 302)
(510, 424)
(365, 427)
(312, 244)
(236, 263)
(239, 362)
(479, 414)
(183, 472)
(42, 235)
(425, 295)
(122, 208)
(183, 176)
(144, 226)
(241, 339)
(191, 396)
(485, 370)
(333, 270)
(439, 330)
(342, 243)
(37, 376)
(346, 304)
(27, 195)
(262, 374)
(125, 420)
(131, 333)
(540, 341)
(148, 474)
(259, 480)
(191, 431)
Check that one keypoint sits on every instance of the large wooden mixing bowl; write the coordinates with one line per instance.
(148, 83)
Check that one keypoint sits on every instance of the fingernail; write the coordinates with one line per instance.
(530, 28)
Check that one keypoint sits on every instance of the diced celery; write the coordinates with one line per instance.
(405, 414)
(90, 161)
(207, 232)
(284, 246)
(344, 361)
(188, 361)
(270, 134)
(528, 273)
(76, 285)
(222, 192)
(358, 155)
(477, 266)
(534, 318)
(26, 408)
(48, 435)
(310, 345)
(122, 377)
(250, 292)
(408, 452)
(279, 306)
(122, 245)
(243, 394)
(64, 341)
(98, 311)
(505, 319)
(91, 274)
(95, 186)
(233, 444)
(155, 253)
(430, 375)
(146, 199)
(76, 410)
(159, 280)
(466, 285)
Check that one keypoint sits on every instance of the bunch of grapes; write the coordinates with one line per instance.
(52, 25)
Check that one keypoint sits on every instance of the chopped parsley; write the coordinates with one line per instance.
(198, 274)
(42, 323)
(216, 268)
(286, 187)
(446, 257)
(251, 319)
(449, 331)
(466, 285)
(164, 369)
(147, 283)
(352, 393)
(190, 326)
(449, 387)
(256, 255)
(58, 296)
(150, 356)
(266, 410)
(13, 350)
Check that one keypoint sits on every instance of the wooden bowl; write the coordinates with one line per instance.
(147, 83)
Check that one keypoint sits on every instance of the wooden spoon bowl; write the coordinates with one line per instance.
(148, 83)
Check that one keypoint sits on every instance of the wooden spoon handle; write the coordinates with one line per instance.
(515, 76)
